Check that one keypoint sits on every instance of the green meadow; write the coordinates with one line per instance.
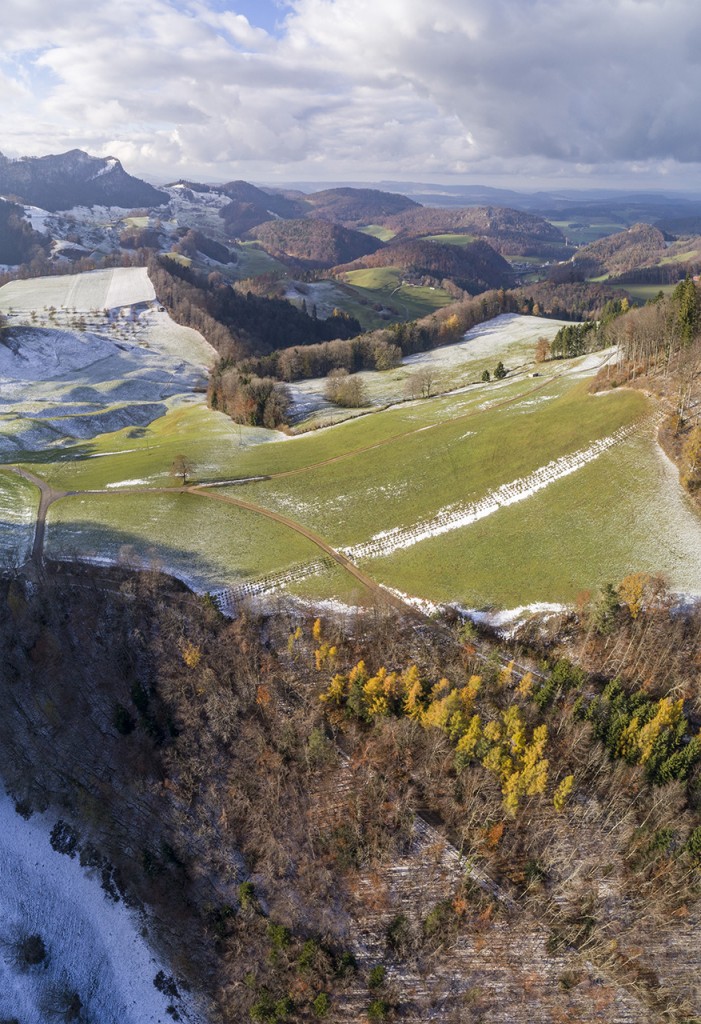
(384, 285)
(458, 460)
(624, 512)
(456, 239)
(396, 467)
(200, 540)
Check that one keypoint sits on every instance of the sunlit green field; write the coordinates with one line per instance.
(384, 285)
(460, 240)
(624, 512)
(458, 460)
(378, 231)
(393, 468)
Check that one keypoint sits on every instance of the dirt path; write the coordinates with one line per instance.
(379, 592)
(47, 496)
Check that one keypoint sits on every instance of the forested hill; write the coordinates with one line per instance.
(350, 207)
(18, 242)
(638, 246)
(316, 243)
(75, 179)
(474, 267)
(251, 205)
(510, 232)
(355, 206)
(237, 325)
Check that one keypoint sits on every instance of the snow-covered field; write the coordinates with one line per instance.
(510, 337)
(95, 949)
(489, 340)
(87, 354)
(96, 290)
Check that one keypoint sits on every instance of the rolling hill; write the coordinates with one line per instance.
(355, 206)
(317, 243)
(510, 232)
(639, 246)
(474, 267)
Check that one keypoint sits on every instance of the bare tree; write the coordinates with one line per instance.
(422, 383)
(182, 467)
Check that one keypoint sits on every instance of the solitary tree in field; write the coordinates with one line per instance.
(182, 467)
(500, 371)
(542, 350)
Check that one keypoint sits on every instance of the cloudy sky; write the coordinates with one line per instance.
(504, 92)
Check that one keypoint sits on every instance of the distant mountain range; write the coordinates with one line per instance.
(71, 179)
(402, 224)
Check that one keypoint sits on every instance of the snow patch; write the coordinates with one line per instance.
(94, 945)
(128, 483)
(507, 620)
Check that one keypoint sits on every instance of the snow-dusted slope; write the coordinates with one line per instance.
(94, 946)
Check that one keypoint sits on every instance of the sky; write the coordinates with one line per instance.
(509, 93)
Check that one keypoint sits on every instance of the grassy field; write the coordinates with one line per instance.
(384, 285)
(199, 540)
(397, 484)
(460, 240)
(645, 292)
(681, 257)
(458, 460)
(144, 455)
(394, 468)
(623, 512)
(582, 233)
(329, 294)
(378, 231)
(253, 261)
(177, 257)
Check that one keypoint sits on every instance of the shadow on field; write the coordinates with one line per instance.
(83, 540)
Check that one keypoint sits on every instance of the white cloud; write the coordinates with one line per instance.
(359, 88)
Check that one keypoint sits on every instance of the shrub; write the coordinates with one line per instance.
(378, 1010)
(247, 896)
(31, 951)
(321, 1005)
(376, 977)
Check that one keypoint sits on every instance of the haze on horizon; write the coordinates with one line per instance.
(511, 93)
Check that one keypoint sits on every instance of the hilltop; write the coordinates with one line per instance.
(314, 243)
(638, 246)
(510, 232)
(475, 267)
(60, 182)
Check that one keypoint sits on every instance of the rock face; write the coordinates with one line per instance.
(60, 182)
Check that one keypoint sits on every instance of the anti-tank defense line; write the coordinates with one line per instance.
(456, 516)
